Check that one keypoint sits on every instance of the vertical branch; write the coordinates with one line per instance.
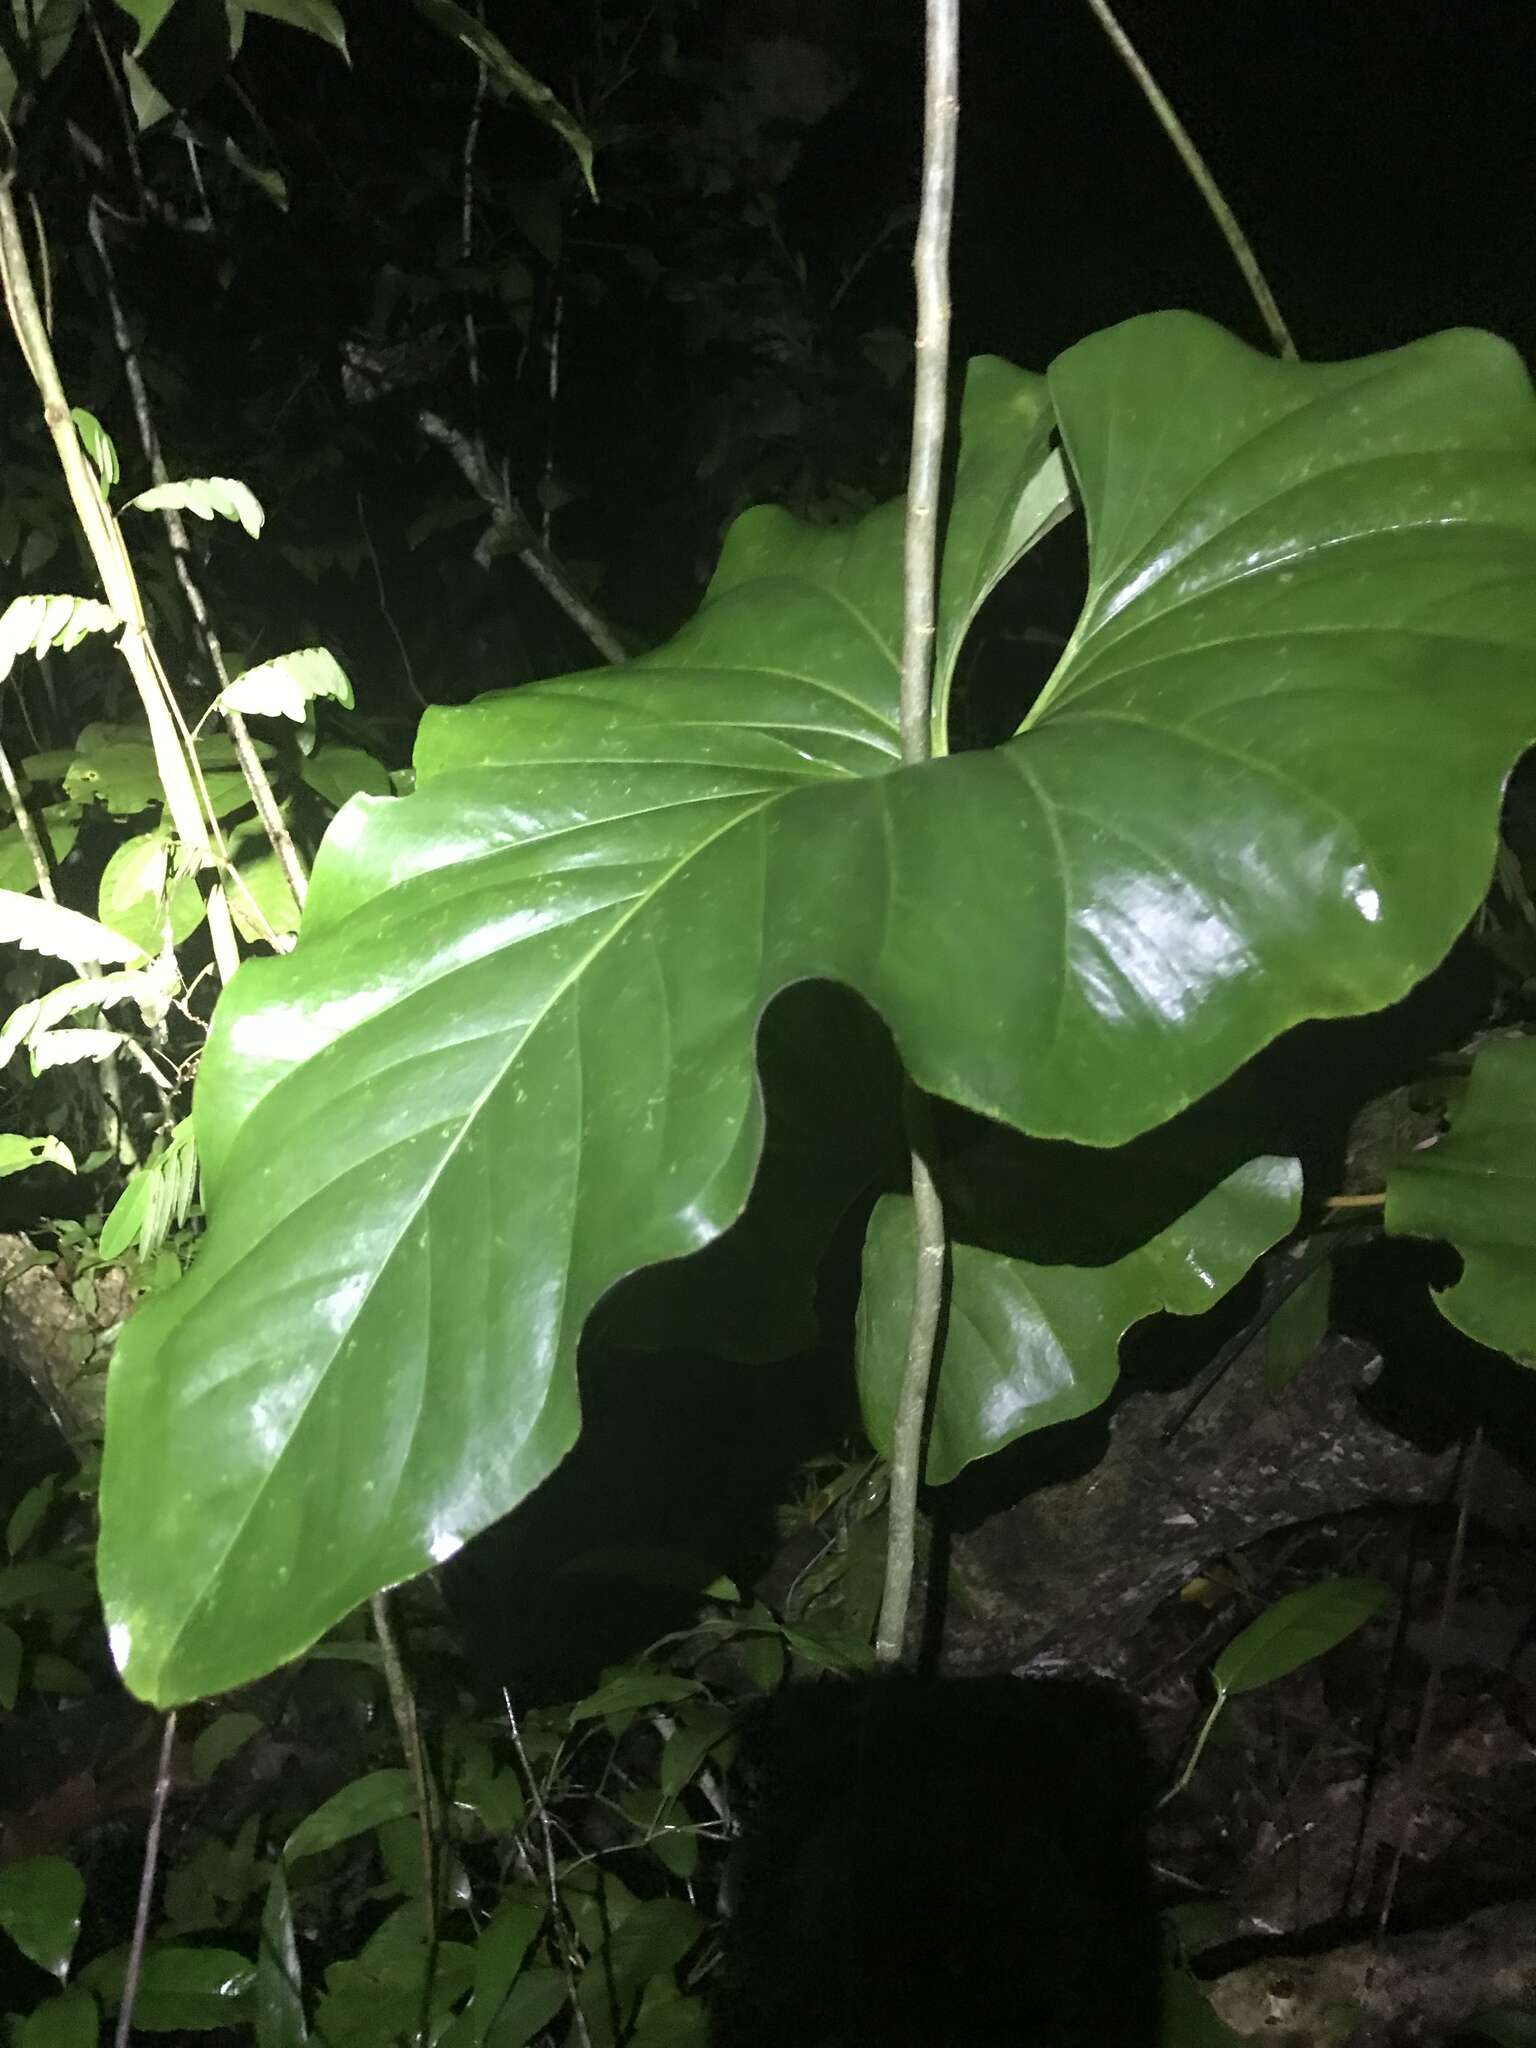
(941, 127)
(467, 228)
(941, 124)
(1200, 171)
(176, 764)
(402, 1704)
(256, 779)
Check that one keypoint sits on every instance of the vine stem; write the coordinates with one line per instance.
(124, 2030)
(1200, 171)
(256, 779)
(941, 127)
(174, 764)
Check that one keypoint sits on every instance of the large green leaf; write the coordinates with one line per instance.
(1028, 1345)
(511, 1058)
(1477, 1189)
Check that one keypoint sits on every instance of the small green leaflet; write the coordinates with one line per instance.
(73, 2020)
(271, 184)
(209, 497)
(285, 686)
(337, 773)
(17, 1153)
(181, 1990)
(58, 827)
(220, 1740)
(320, 17)
(29, 1511)
(149, 105)
(279, 1978)
(99, 446)
(36, 623)
(1298, 1628)
(70, 1047)
(138, 898)
(32, 1023)
(40, 1904)
(628, 1691)
(366, 1803)
(46, 29)
(1301, 1626)
(156, 1199)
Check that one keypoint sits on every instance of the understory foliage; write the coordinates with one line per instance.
(589, 1011)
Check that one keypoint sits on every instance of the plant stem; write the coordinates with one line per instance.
(928, 1257)
(402, 1703)
(27, 827)
(560, 1931)
(147, 1869)
(509, 528)
(930, 263)
(1200, 171)
(256, 779)
(408, 1727)
(941, 124)
(175, 763)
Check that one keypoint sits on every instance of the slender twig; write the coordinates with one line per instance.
(941, 120)
(1431, 1697)
(559, 1930)
(257, 780)
(120, 100)
(175, 759)
(147, 1870)
(407, 666)
(510, 528)
(402, 1704)
(43, 264)
(37, 853)
(467, 228)
(551, 414)
(1200, 171)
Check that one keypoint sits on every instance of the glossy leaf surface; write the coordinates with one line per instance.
(1026, 1346)
(40, 1904)
(181, 1990)
(1477, 1189)
(511, 1059)
(366, 1803)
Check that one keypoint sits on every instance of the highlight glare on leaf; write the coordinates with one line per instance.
(513, 1056)
(36, 623)
(209, 497)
